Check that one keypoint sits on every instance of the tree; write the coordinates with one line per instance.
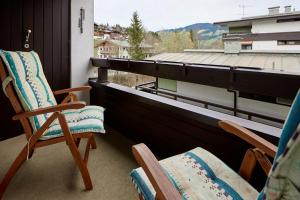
(175, 41)
(136, 37)
(193, 36)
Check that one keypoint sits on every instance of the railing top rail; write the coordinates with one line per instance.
(249, 80)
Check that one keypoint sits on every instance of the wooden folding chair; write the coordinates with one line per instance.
(197, 174)
(58, 125)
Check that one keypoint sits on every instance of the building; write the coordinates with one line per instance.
(117, 48)
(106, 32)
(278, 30)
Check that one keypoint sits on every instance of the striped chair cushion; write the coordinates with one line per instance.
(30, 83)
(87, 119)
(198, 174)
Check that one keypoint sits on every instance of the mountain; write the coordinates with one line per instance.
(204, 31)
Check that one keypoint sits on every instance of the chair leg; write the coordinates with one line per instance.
(13, 170)
(75, 153)
(248, 165)
(87, 150)
(93, 142)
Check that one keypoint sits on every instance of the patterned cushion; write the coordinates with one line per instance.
(198, 174)
(29, 82)
(283, 180)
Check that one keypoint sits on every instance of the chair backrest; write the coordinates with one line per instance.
(284, 178)
(26, 74)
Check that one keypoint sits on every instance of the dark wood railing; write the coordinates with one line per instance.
(249, 80)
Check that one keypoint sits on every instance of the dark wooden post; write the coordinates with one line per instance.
(102, 75)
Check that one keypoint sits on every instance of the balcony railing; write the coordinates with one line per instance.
(249, 80)
(262, 36)
(236, 36)
(170, 127)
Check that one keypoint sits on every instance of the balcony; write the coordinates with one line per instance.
(163, 120)
(164, 123)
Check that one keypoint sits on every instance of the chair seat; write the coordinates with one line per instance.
(87, 119)
(197, 174)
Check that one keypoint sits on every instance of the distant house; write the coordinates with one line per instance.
(274, 31)
(117, 49)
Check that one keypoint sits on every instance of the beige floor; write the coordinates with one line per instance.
(52, 174)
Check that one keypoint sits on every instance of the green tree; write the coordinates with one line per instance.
(193, 36)
(136, 36)
(175, 41)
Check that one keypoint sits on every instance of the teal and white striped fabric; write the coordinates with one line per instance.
(198, 174)
(87, 119)
(25, 70)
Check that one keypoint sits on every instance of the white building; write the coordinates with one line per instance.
(110, 48)
(278, 30)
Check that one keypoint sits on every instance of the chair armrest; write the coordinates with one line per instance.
(77, 89)
(162, 185)
(59, 107)
(250, 137)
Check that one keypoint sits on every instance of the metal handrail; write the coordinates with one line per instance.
(206, 104)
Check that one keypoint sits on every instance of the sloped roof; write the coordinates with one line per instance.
(261, 17)
(269, 61)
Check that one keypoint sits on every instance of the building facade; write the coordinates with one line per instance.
(279, 30)
(117, 49)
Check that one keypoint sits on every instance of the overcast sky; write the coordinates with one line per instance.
(164, 14)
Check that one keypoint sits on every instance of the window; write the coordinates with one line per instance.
(288, 42)
(275, 100)
(284, 101)
(288, 20)
(257, 97)
(246, 46)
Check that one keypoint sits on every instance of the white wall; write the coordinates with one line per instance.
(271, 26)
(272, 45)
(123, 53)
(223, 97)
(82, 45)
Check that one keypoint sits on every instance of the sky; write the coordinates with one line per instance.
(164, 14)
